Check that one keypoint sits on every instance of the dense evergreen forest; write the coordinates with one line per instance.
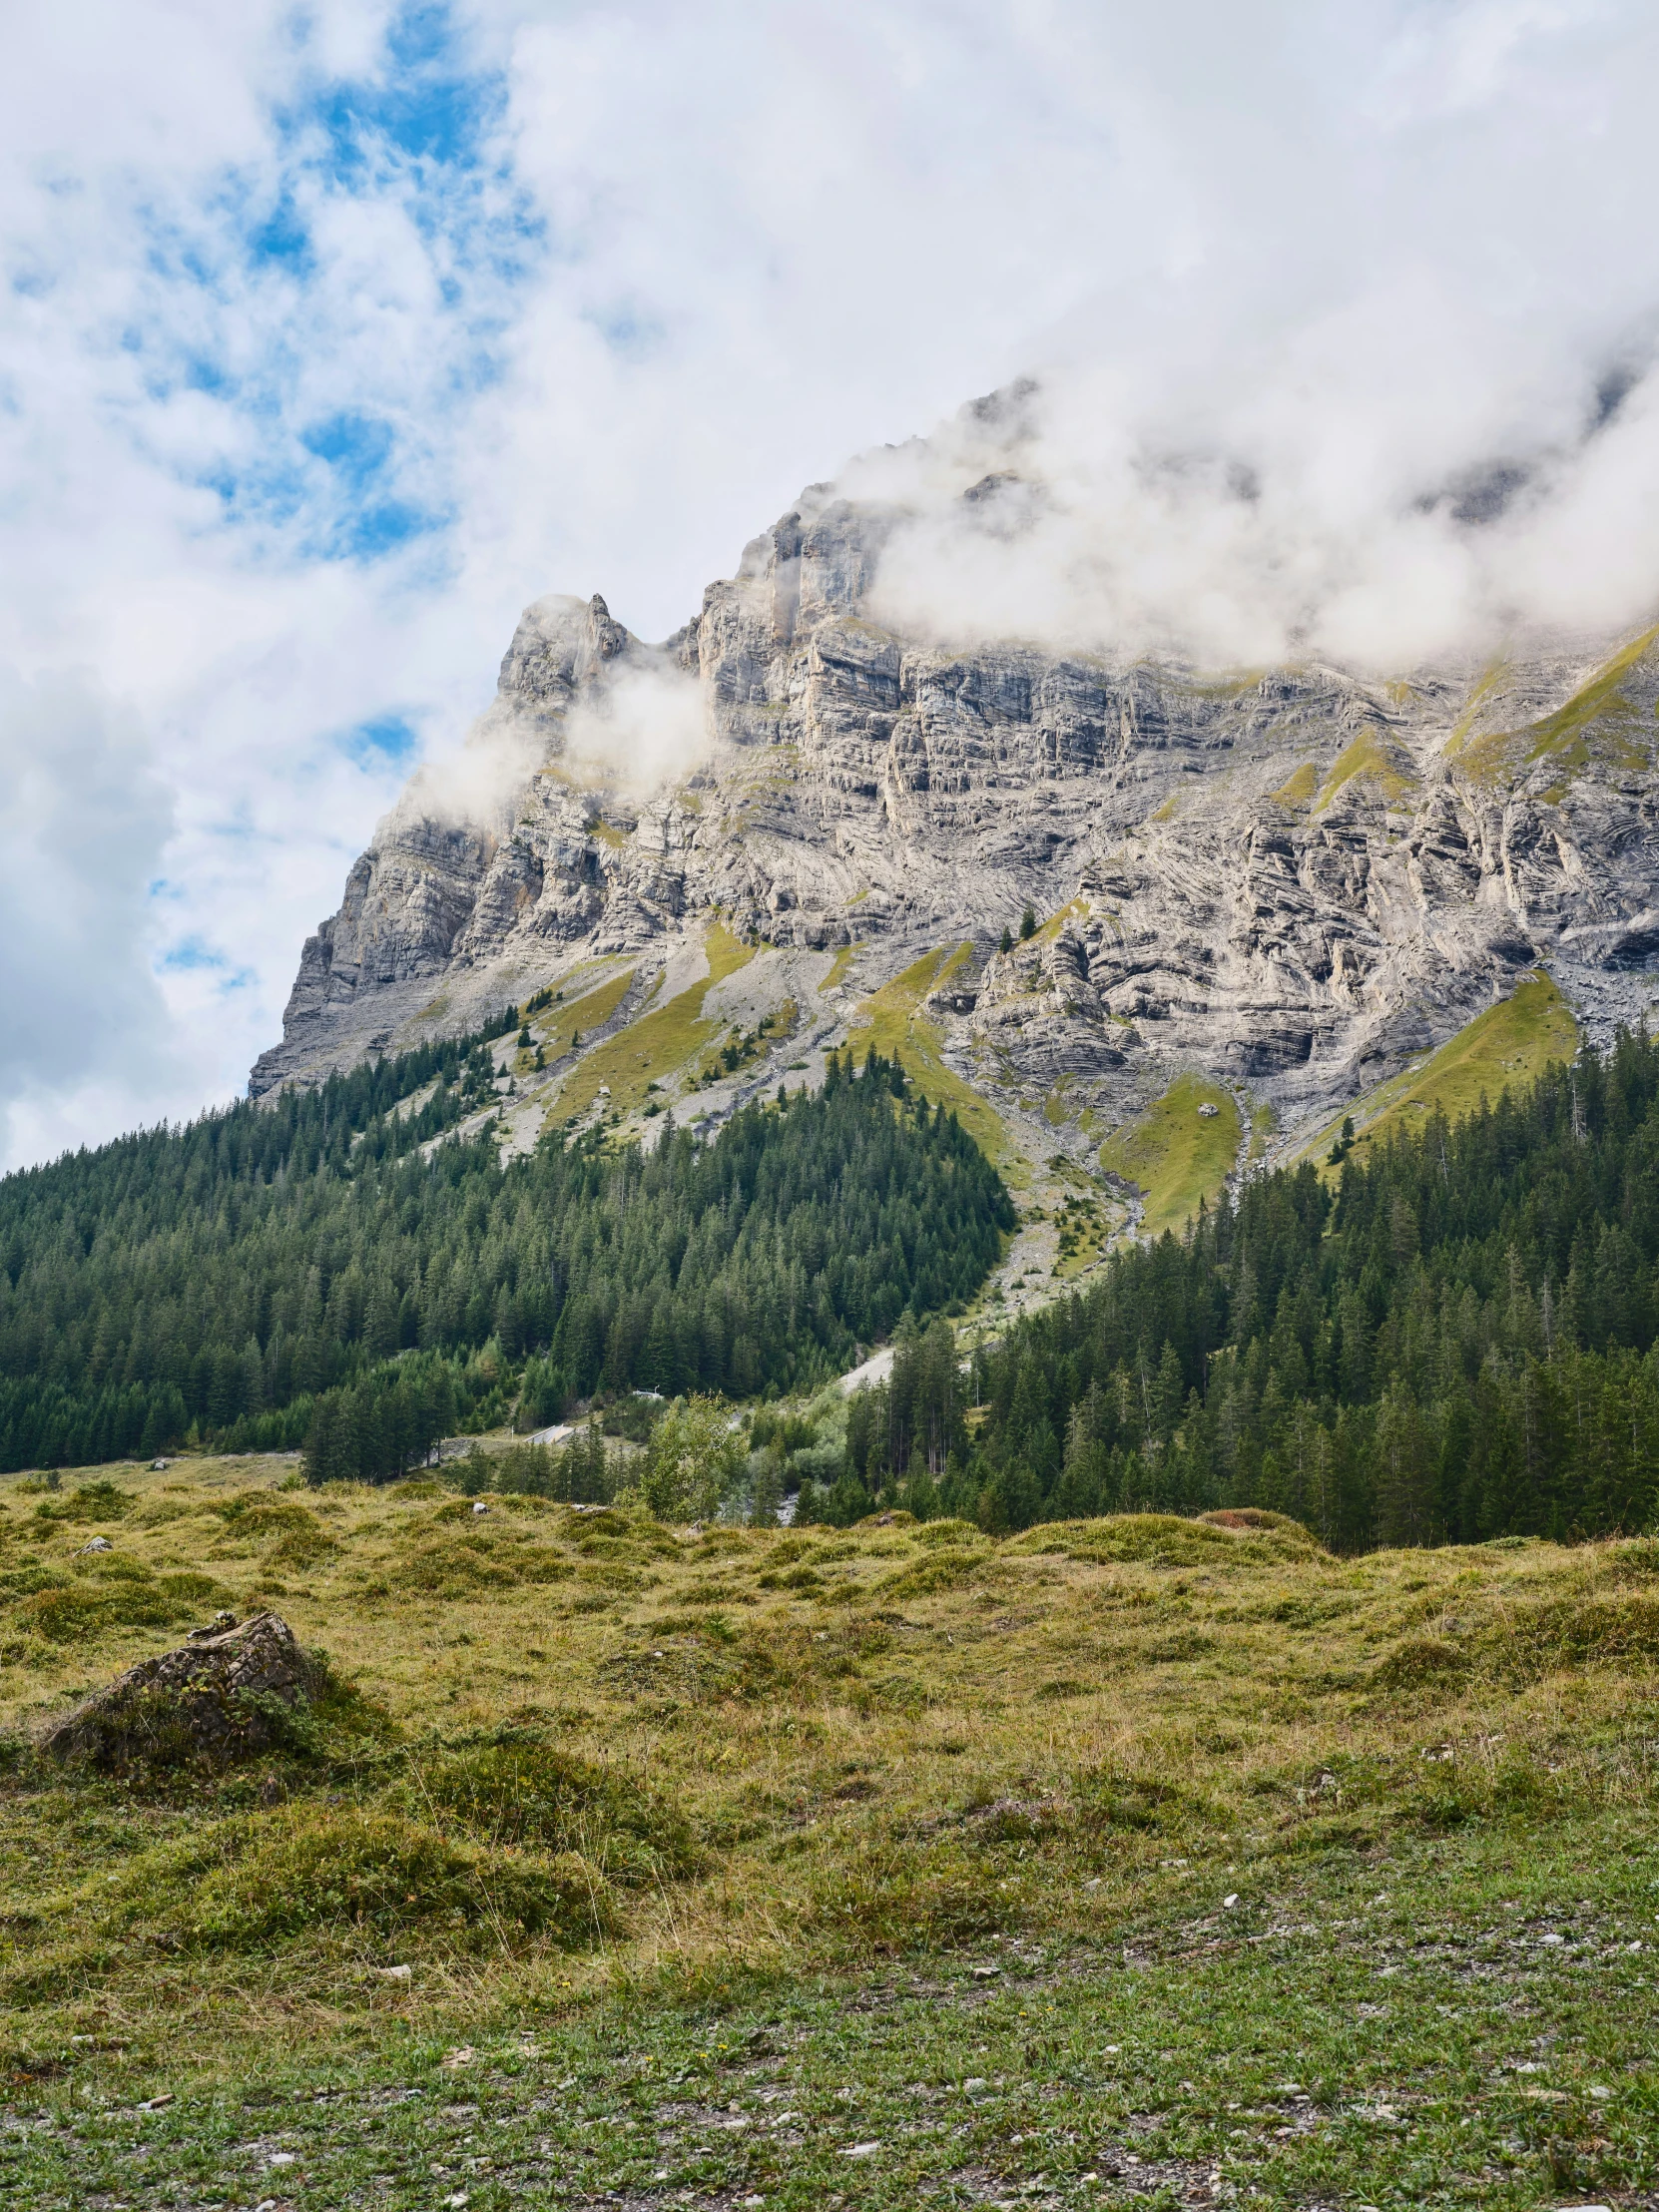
(1459, 1342)
(305, 1268)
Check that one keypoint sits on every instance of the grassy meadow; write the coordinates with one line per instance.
(1135, 1860)
(1176, 1156)
(1502, 1049)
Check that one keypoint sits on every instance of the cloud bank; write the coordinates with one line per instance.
(1236, 536)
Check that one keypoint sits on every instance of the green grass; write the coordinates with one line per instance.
(1047, 930)
(1504, 1048)
(839, 966)
(1346, 2033)
(656, 1045)
(1174, 1155)
(1363, 759)
(1299, 789)
(1597, 724)
(1094, 1863)
(556, 1025)
(891, 1020)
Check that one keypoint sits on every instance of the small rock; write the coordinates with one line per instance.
(282, 2158)
(986, 1974)
(1231, 1899)
(395, 1974)
(218, 1627)
(98, 1543)
(157, 1465)
(478, 1506)
(461, 2055)
(860, 2150)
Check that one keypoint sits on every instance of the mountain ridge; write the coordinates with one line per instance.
(1291, 881)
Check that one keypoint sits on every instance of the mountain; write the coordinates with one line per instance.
(1260, 897)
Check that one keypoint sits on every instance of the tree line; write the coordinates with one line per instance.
(1457, 1341)
(319, 1269)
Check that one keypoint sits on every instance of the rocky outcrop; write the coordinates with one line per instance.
(209, 1703)
(1292, 879)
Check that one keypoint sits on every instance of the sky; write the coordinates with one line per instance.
(332, 336)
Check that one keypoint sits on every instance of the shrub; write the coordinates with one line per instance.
(896, 1897)
(694, 1463)
(73, 1612)
(88, 1501)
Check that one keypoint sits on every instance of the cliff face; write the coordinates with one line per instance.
(1290, 882)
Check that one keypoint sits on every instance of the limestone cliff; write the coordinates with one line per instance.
(1291, 881)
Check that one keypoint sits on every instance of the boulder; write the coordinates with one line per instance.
(216, 1699)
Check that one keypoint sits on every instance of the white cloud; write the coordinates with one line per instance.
(647, 729)
(330, 339)
(82, 833)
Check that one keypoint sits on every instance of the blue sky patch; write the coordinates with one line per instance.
(190, 953)
(415, 133)
(387, 740)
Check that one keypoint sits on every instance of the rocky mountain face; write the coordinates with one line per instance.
(1290, 882)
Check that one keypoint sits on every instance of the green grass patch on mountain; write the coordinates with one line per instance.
(838, 967)
(1175, 1155)
(1299, 788)
(1598, 723)
(557, 1024)
(1504, 1048)
(1365, 758)
(890, 1020)
(658, 1043)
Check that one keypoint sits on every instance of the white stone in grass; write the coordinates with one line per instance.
(395, 1974)
(1230, 1900)
(859, 2150)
